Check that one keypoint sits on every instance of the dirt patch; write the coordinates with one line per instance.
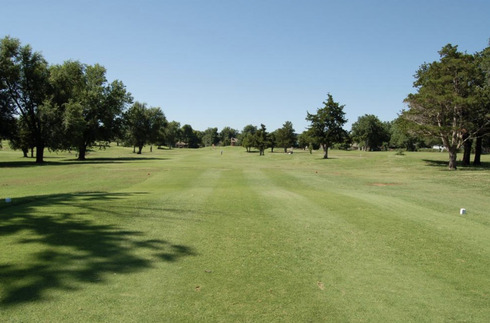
(320, 285)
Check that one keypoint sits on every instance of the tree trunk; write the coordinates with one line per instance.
(452, 157)
(467, 151)
(82, 151)
(151, 149)
(325, 150)
(140, 148)
(478, 145)
(39, 154)
(25, 151)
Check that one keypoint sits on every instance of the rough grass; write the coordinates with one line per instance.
(193, 235)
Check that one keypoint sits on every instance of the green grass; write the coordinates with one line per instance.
(193, 235)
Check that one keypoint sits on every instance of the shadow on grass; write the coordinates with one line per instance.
(444, 164)
(32, 162)
(66, 251)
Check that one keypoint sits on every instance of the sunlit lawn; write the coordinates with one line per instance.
(196, 235)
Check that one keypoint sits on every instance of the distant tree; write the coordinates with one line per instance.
(306, 140)
(189, 136)
(172, 133)
(346, 143)
(248, 141)
(446, 99)
(273, 140)
(402, 137)
(210, 137)
(158, 122)
(326, 124)
(24, 89)
(247, 137)
(261, 139)
(20, 138)
(199, 136)
(285, 136)
(369, 132)
(226, 134)
(249, 129)
(145, 125)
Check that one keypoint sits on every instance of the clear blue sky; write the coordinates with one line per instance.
(217, 63)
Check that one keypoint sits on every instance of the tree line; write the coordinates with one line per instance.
(73, 106)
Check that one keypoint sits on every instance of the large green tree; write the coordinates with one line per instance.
(446, 99)
(326, 125)
(24, 90)
(285, 136)
(91, 105)
(482, 111)
(369, 132)
(144, 125)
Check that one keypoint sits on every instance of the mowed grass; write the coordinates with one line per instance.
(196, 235)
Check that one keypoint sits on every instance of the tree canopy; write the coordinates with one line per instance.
(369, 132)
(91, 106)
(285, 136)
(446, 103)
(326, 125)
(24, 89)
(145, 125)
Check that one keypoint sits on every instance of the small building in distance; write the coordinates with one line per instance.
(181, 144)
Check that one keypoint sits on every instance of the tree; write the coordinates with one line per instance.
(92, 107)
(248, 141)
(482, 123)
(273, 140)
(172, 133)
(190, 136)
(445, 98)
(145, 125)
(247, 137)
(402, 137)
(326, 124)
(7, 120)
(285, 136)
(210, 137)
(24, 89)
(369, 132)
(306, 140)
(226, 134)
(261, 140)
(158, 122)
